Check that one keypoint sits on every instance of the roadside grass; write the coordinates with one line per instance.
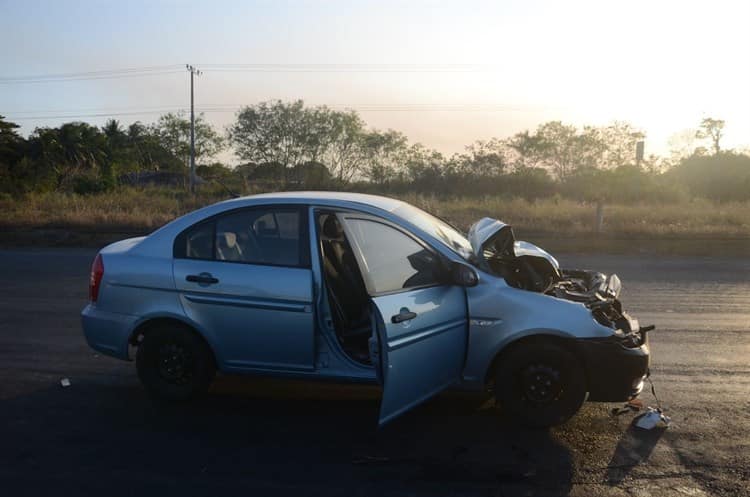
(141, 210)
(560, 216)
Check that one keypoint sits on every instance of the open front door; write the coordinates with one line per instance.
(422, 322)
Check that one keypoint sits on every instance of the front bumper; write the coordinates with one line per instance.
(615, 373)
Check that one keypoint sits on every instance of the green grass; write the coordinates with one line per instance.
(142, 210)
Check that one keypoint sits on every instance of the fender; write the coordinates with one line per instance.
(507, 342)
(144, 320)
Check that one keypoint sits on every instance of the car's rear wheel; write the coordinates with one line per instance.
(174, 363)
(540, 384)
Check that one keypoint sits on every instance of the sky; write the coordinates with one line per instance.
(444, 73)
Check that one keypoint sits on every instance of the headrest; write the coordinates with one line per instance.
(229, 238)
(332, 228)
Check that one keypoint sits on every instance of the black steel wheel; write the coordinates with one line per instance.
(540, 384)
(174, 363)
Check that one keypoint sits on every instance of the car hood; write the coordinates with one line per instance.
(488, 232)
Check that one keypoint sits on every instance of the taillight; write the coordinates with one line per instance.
(97, 272)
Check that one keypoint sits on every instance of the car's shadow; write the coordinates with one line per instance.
(268, 438)
(634, 448)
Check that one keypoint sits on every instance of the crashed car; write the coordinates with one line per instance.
(363, 288)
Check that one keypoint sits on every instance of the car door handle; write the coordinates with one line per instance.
(203, 278)
(402, 316)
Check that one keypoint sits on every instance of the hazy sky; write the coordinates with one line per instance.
(661, 65)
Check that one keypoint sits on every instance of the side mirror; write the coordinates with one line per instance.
(463, 275)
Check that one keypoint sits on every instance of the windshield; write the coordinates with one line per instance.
(454, 239)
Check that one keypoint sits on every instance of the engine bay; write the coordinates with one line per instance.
(527, 267)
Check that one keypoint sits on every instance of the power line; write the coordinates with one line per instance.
(164, 107)
(323, 68)
(106, 114)
(63, 80)
(133, 72)
(100, 72)
(234, 108)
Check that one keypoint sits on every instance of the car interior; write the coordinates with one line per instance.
(259, 237)
(347, 294)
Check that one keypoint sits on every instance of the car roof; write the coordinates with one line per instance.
(380, 202)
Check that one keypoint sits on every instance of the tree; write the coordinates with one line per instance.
(483, 159)
(285, 133)
(385, 155)
(12, 149)
(682, 145)
(558, 147)
(722, 177)
(713, 130)
(290, 134)
(344, 141)
(11, 143)
(616, 142)
(146, 152)
(173, 130)
(71, 150)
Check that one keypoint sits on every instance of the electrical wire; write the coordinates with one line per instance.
(78, 116)
(232, 108)
(88, 78)
(133, 72)
(130, 72)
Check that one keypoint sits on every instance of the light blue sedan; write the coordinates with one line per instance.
(354, 287)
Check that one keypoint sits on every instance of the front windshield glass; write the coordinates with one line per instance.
(454, 239)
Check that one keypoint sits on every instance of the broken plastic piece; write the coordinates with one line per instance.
(65, 382)
(651, 419)
(634, 405)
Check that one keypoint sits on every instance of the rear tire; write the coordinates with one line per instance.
(174, 363)
(540, 384)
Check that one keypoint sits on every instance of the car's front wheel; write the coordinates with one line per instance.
(173, 363)
(540, 384)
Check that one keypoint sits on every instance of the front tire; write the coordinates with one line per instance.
(174, 363)
(540, 384)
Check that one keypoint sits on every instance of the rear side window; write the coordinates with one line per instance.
(271, 236)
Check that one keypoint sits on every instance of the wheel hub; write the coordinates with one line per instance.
(174, 363)
(541, 383)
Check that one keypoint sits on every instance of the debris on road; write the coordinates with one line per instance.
(634, 405)
(651, 419)
(65, 382)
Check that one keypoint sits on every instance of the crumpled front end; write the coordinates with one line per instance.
(617, 365)
(617, 362)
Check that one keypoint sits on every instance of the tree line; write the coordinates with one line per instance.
(290, 145)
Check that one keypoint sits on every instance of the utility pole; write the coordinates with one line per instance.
(193, 72)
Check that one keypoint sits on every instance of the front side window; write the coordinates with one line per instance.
(273, 236)
(393, 261)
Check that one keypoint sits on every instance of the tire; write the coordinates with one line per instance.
(174, 363)
(540, 384)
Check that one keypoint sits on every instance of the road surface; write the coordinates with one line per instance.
(103, 436)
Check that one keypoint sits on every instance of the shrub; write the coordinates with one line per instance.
(723, 177)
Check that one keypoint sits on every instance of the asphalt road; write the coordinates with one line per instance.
(103, 436)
